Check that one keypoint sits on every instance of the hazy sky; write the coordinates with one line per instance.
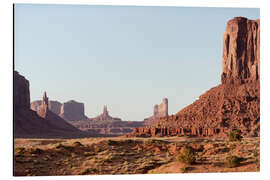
(125, 57)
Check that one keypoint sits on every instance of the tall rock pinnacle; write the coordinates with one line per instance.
(105, 111)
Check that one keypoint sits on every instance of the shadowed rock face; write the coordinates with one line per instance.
(72, 111)
(21, 91)
(233, 104)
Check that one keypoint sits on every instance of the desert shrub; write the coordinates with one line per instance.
(61, 146)
(36, 151)
(187, 156)
(96, 149)
(111, 142)
(77, 143)
(19, 151)
(184, 169)
(233, 161)
(235, 135)
(85, 171)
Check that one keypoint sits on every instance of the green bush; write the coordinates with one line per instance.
(235, 135)
(233, 161)
(187, 156)
(35, 151)
(77, 144)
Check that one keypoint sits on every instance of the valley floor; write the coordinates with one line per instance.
(46, 157)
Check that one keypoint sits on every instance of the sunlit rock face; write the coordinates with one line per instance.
(241, 51)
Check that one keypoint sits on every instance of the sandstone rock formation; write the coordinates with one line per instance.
(72, 111)
(21, 91)
(241, 51)
(234, 104)
(46, 124)
(105, 116)
(160, 110)
(106, 125)
(54, 106)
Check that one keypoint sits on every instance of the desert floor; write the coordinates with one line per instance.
(46, 157)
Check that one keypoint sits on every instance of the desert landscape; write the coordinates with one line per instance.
(218, 132)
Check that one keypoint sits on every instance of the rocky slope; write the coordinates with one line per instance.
(233, 104)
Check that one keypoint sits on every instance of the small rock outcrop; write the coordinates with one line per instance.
(160, 110)
(105, 116)
(234, 104)
(72, 111)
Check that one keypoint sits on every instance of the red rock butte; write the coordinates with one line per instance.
(234, 104)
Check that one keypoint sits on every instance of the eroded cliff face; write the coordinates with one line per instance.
(241, 51)
(233, 104)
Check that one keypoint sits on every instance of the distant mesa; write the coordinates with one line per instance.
(105, 116)
(72, 111)
(160, 110)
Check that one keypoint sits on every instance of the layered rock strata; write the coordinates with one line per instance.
(234, 104)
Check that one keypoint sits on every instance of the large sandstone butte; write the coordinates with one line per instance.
(72, 111)
(160, 110)
(235, 103)
(45, 124)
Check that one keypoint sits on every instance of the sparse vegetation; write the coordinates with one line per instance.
(233, 161)
(77, 143)
(136, 156)
(35, 151)
(187, 156)
(235, 135)
(184, 169)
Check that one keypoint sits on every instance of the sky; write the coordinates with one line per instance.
(125, 57)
